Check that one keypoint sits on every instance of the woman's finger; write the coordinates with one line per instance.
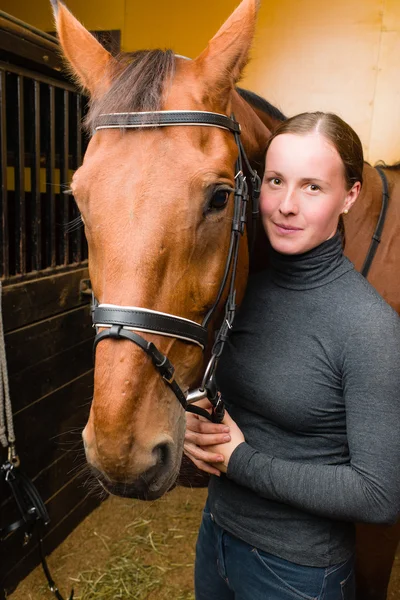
(206, 439)
(198, 453)
(204, 426)
(204, 466)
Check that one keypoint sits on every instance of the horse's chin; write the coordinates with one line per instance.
(139, 489)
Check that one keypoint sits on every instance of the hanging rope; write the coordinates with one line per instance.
(7, 436)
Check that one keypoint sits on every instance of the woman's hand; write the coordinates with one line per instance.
(200, 434)
(210, 445)
(226, 449)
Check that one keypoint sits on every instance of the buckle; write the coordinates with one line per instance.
(166, 370)
(169, 376)
(218, 409)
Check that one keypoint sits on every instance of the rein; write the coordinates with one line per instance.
(122, 322)
(376, 238)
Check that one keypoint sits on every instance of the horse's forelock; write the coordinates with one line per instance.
(138, 84)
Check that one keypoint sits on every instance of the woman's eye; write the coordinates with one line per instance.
(275, 181)
(219, 200)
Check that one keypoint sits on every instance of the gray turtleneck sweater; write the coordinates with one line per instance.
(311, 375)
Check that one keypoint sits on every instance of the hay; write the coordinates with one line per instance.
(139, 567)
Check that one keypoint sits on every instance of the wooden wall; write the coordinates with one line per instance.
(340, 56)
(46, 318)
(49, 350)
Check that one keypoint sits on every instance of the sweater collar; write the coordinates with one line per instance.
(314, 268)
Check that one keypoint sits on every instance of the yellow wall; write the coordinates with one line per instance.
(342, 56)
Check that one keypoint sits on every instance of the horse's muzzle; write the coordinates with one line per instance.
(149, 485)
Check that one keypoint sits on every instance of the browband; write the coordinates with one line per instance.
(165, 118)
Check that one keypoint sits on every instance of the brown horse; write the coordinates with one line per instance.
(376, 544)
(155, 240)
(158, 238)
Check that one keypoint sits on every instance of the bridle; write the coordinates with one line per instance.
(123, 322)
(376, 238)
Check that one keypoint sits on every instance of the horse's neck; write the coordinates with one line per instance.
(254, 134)
(270, 122)
(360, 225)
(361, 221)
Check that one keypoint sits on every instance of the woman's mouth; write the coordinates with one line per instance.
(286, 229)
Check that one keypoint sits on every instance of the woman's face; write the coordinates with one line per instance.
(303, 192)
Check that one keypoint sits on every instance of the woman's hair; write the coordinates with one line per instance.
(337, 132)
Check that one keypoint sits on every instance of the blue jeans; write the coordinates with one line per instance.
(228, 569)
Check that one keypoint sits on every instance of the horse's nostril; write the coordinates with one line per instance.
(162, 452)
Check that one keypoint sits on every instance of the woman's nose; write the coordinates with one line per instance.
(289, 203)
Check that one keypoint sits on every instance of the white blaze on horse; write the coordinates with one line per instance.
(158, 202)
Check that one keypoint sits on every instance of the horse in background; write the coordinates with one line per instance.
(376, 544)
(158, 236)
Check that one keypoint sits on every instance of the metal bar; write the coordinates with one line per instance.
(4, 257)
(42, 34)
(57, 270)
(35, 183)
(50, 171)
(65, 177)
(20, 224)
(37, 76)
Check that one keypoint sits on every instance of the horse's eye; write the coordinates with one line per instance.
(219, 200)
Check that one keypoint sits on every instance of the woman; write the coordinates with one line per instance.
(311, 381)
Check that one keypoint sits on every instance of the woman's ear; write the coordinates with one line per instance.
(351, 197)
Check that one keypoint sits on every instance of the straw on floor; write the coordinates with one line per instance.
(138, 567)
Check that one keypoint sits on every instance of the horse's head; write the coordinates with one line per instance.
(157, 207)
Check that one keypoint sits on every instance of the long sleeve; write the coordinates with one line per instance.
(368, 488)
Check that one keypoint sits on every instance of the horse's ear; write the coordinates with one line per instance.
(89, 62)
(222, 62)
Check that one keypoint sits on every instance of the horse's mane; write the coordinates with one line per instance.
(137, 84)
(262, 104)
(395, 167)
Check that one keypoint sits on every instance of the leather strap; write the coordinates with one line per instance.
(164, 118)
(376, 238)
(26, 496)
(157, 322)
(160, 361)
(33, 514)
